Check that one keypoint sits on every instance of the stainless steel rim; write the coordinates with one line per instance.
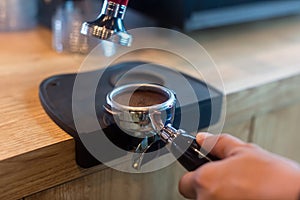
(131, 87)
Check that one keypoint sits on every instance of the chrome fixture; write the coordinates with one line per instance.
(109, 25)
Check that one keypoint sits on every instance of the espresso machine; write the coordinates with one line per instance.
(138, 116)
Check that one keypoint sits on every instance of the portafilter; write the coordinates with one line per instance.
(147, 111)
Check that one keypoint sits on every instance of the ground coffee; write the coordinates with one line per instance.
(141, 98)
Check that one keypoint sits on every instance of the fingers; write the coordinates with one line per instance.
(221, 146)
(187, 188)
(196, 183)
(199, 181)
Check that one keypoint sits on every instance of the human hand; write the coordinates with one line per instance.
(246, 171)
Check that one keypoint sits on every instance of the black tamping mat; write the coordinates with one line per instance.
(56, 98)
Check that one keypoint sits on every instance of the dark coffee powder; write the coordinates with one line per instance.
(141, 98)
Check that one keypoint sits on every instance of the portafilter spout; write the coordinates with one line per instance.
(150, 108)
(109, 25)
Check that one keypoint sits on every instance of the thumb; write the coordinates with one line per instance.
(221, 145)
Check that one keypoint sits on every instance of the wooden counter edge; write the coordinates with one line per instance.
(40, 169)
(244, 105)
(50, 166)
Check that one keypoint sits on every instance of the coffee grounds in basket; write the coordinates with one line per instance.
(141, 98)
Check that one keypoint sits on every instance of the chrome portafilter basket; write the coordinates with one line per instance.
(133, 106)
(147, 111)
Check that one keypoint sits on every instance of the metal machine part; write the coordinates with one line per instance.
(136, 118)
(109, 25)
(154, 120)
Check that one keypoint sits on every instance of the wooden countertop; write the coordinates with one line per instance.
(258, 61)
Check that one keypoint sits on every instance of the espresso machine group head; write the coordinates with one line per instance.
(109, 25)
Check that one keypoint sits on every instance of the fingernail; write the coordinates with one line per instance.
(202, 135)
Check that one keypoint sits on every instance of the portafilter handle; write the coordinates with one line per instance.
(185, 148)
(181, 144)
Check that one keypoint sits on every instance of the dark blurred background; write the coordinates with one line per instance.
(186, 15)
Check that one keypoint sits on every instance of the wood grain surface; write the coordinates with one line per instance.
(112, 184)
(278, 131)
(161, 184)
